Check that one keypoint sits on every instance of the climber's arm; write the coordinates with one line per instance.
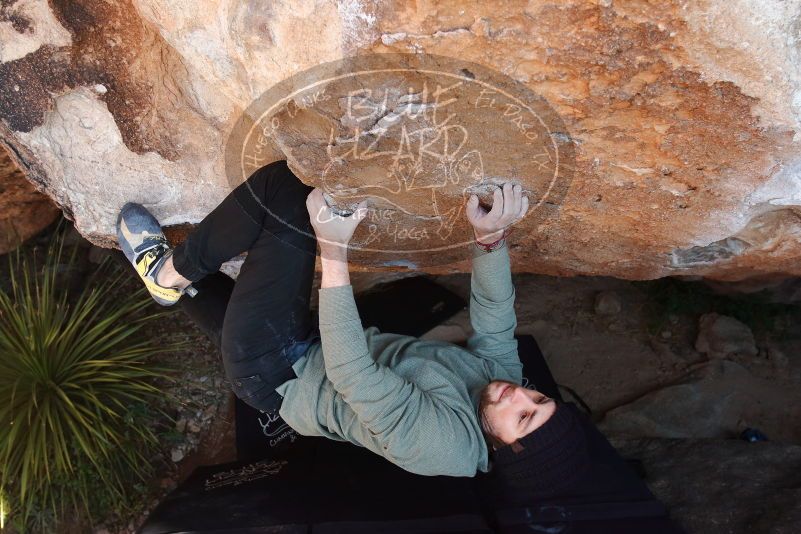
(492, 295)
(492, 312)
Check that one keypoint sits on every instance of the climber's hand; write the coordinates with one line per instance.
(332, 230)
(509, 205)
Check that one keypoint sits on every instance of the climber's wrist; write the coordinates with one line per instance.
(483, 238)
(493, 241)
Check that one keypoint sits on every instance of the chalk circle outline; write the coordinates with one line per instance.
(277, 96)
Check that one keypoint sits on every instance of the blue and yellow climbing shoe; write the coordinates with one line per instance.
(145, 246)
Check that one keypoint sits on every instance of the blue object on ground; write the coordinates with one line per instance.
(753, 435)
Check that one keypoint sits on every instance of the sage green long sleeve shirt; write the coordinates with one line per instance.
(413, 401)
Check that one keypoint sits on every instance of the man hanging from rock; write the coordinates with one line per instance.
(431, 407)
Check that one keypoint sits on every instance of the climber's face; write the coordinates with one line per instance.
(509, 411)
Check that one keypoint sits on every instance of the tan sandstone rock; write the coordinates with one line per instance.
(683, 119)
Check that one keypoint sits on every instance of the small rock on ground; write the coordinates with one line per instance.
(721, 336)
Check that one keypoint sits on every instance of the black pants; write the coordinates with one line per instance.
(267, 324)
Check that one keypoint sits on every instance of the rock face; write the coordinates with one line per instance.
(723, 485)
(719, 400)
(682, 119)
(24, 211)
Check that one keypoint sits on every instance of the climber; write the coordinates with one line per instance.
(430, 407)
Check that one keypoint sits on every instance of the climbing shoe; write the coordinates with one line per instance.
(145, 246)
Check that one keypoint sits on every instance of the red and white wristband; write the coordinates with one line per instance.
(489, 247)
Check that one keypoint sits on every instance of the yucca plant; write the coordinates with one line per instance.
(75, 386)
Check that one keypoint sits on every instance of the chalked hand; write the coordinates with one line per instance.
(509, 205)
(330, 227)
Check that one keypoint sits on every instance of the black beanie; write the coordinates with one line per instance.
(547, 461)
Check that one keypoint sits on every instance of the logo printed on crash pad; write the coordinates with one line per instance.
(244, 474)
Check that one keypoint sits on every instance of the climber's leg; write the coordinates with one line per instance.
(268, 324)
(231, 228)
